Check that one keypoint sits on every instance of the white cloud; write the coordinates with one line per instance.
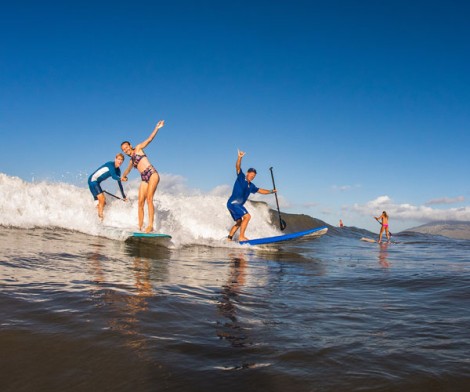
(407, 212)
(328, 211)
(344, 188)
(173, 184)
(445, 200)
(221, 190)
(284, 203)
(310, 204)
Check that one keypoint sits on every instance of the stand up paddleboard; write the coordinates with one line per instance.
(311, 233)
(120, 233)
(138, 234)
(377, 242)
(368, 239)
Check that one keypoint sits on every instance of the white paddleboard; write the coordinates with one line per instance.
(368, 239)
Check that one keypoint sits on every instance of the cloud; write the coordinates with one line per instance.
(310, 204)
(221, 190)
(173, 184)
(445, 200)
(344, 188)
(405, 212)
(284, 203)
(329, 211)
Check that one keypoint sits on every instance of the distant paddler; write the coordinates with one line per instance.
(383, 220)
(148, 174)
(242, 189)
(109, 169)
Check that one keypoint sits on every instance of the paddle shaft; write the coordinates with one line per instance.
(282, 223)
(116, 197)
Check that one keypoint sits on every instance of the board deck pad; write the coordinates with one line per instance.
(316, 232)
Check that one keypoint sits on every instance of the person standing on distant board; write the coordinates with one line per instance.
(109, 169)
(384, 227)
(148, 174)
(341, 223)
(241, 191)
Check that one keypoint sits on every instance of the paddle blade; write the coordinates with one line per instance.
(283, 224)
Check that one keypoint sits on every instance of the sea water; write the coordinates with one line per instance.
(82, 308)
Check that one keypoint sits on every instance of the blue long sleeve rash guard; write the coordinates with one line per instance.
(104, 172)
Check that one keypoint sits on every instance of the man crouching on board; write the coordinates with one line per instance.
(109, 169)
(241, 191)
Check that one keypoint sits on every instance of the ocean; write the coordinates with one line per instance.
(82, 308)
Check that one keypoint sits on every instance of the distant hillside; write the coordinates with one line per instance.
(295, 222)
(452, 229)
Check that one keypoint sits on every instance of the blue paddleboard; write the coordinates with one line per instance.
(149, 235)
(318, 231)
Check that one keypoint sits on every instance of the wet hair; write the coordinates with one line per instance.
(124, 142)
(385, 213)
(251, 170)
(120, 155)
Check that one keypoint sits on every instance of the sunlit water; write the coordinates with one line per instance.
(82, 309)
(81, 312)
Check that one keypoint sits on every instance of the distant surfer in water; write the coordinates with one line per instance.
(148, 174)
(241, 191)
(384, 227)
(109, 169)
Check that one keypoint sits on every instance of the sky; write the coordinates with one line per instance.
(359, 106)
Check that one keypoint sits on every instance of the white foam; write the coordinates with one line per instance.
(189, 216)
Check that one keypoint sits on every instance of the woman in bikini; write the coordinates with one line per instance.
(384, 222)
(148, 173)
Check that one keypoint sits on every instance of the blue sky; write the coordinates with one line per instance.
(358, 106)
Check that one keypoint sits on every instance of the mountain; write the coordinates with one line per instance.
(452, 229)
(296, 222)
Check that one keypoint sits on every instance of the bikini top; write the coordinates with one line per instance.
(136, 159)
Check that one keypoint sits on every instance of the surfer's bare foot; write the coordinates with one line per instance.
(149, 229)
(243, 239)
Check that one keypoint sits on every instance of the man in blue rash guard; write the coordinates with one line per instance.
(241, 191)
(109, 169)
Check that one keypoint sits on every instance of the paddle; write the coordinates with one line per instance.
(282, 223)
(116, 197)
(381, 224)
